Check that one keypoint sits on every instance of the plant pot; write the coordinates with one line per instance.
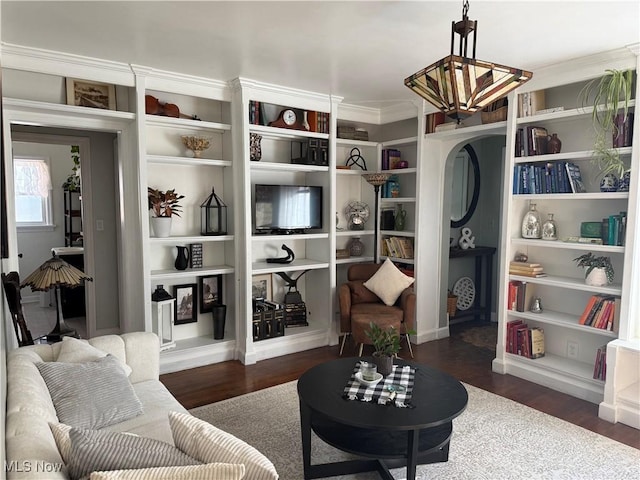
(597, 278)
(219, 313)
(384, 364)
(161, 226)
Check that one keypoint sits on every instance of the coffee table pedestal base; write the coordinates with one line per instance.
(386, 449)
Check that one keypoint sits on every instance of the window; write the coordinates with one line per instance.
(32, 179)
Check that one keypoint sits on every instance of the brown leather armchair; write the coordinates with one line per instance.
(359, 306)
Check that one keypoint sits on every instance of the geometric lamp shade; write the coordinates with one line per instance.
(461, 86)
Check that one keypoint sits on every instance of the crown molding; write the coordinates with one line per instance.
(276, 94)
(580, 69)
(181, 83)
(378, 116)
(65, 65)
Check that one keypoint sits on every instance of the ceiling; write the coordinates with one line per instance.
(361, 50)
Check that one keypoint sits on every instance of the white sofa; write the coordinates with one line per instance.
(31, 449)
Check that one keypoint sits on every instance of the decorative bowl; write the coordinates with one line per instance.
(196, 144)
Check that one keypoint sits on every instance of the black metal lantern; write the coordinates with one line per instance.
(213, 216)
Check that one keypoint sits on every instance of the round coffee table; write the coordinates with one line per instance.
(390, 437)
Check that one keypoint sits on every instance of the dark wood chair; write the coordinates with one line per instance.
(11, 284)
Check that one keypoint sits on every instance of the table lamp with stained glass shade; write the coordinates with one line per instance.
(56, 273)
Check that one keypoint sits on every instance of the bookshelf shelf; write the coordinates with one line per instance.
(567, 245)
(564, 320)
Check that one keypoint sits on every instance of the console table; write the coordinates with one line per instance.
(483, 261)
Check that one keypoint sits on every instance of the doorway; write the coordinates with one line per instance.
(483, 226)
(98, 233)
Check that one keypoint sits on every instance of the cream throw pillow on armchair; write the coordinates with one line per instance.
(388, 282)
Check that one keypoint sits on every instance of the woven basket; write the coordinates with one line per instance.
(494, 116)
(452, 303)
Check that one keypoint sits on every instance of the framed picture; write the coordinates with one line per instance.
(261, 286)
(210, 289)
(91, 94)
(186, 301)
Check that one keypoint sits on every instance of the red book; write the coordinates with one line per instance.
(587, 309)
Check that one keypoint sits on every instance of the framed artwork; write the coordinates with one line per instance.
(91, 94)
(210, 289)
(186, 301)
(261, 286)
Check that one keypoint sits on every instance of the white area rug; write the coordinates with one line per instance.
(495, 438)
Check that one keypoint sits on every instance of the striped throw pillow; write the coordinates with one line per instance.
(92, 394)
(98, 450)
(209, 471)
(209, 444)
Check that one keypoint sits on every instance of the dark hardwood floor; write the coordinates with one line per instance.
(466, 362)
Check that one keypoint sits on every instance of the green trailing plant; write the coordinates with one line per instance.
(589, 261)
(72, 183)
(386, 342)
(609, 95)
(164, 204)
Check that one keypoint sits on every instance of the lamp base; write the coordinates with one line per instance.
(61, 330)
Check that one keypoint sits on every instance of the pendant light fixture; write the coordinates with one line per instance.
(460, 86)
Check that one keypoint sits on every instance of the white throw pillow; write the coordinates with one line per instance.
(388, 282)
(209, 444)
(74, 350)
(209, 471)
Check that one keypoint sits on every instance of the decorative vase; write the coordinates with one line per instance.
(161, 226)
(255, 148)
(531, 224)
(384, 364)
(219, 313)
(182, 258)
(609, 183)
(401, 216)
(554, 144)
(623, 185)
(596, 277)
(549, 229)
(356, 247)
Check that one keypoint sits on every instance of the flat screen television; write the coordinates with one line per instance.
(287, 208)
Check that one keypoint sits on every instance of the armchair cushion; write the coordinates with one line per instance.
(388, 282)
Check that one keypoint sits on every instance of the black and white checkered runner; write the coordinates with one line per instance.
(386, 391)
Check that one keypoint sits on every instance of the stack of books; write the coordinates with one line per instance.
(525, 269)
(524, 340)
(602, 311)
(398, 247)
(600, 367)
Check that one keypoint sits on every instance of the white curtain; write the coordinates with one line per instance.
(32, 178)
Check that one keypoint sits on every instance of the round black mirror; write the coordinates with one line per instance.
(466, 186)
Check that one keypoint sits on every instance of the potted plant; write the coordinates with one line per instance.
(163, 205)
(611, 96)
(386, 345)
(598, 271)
